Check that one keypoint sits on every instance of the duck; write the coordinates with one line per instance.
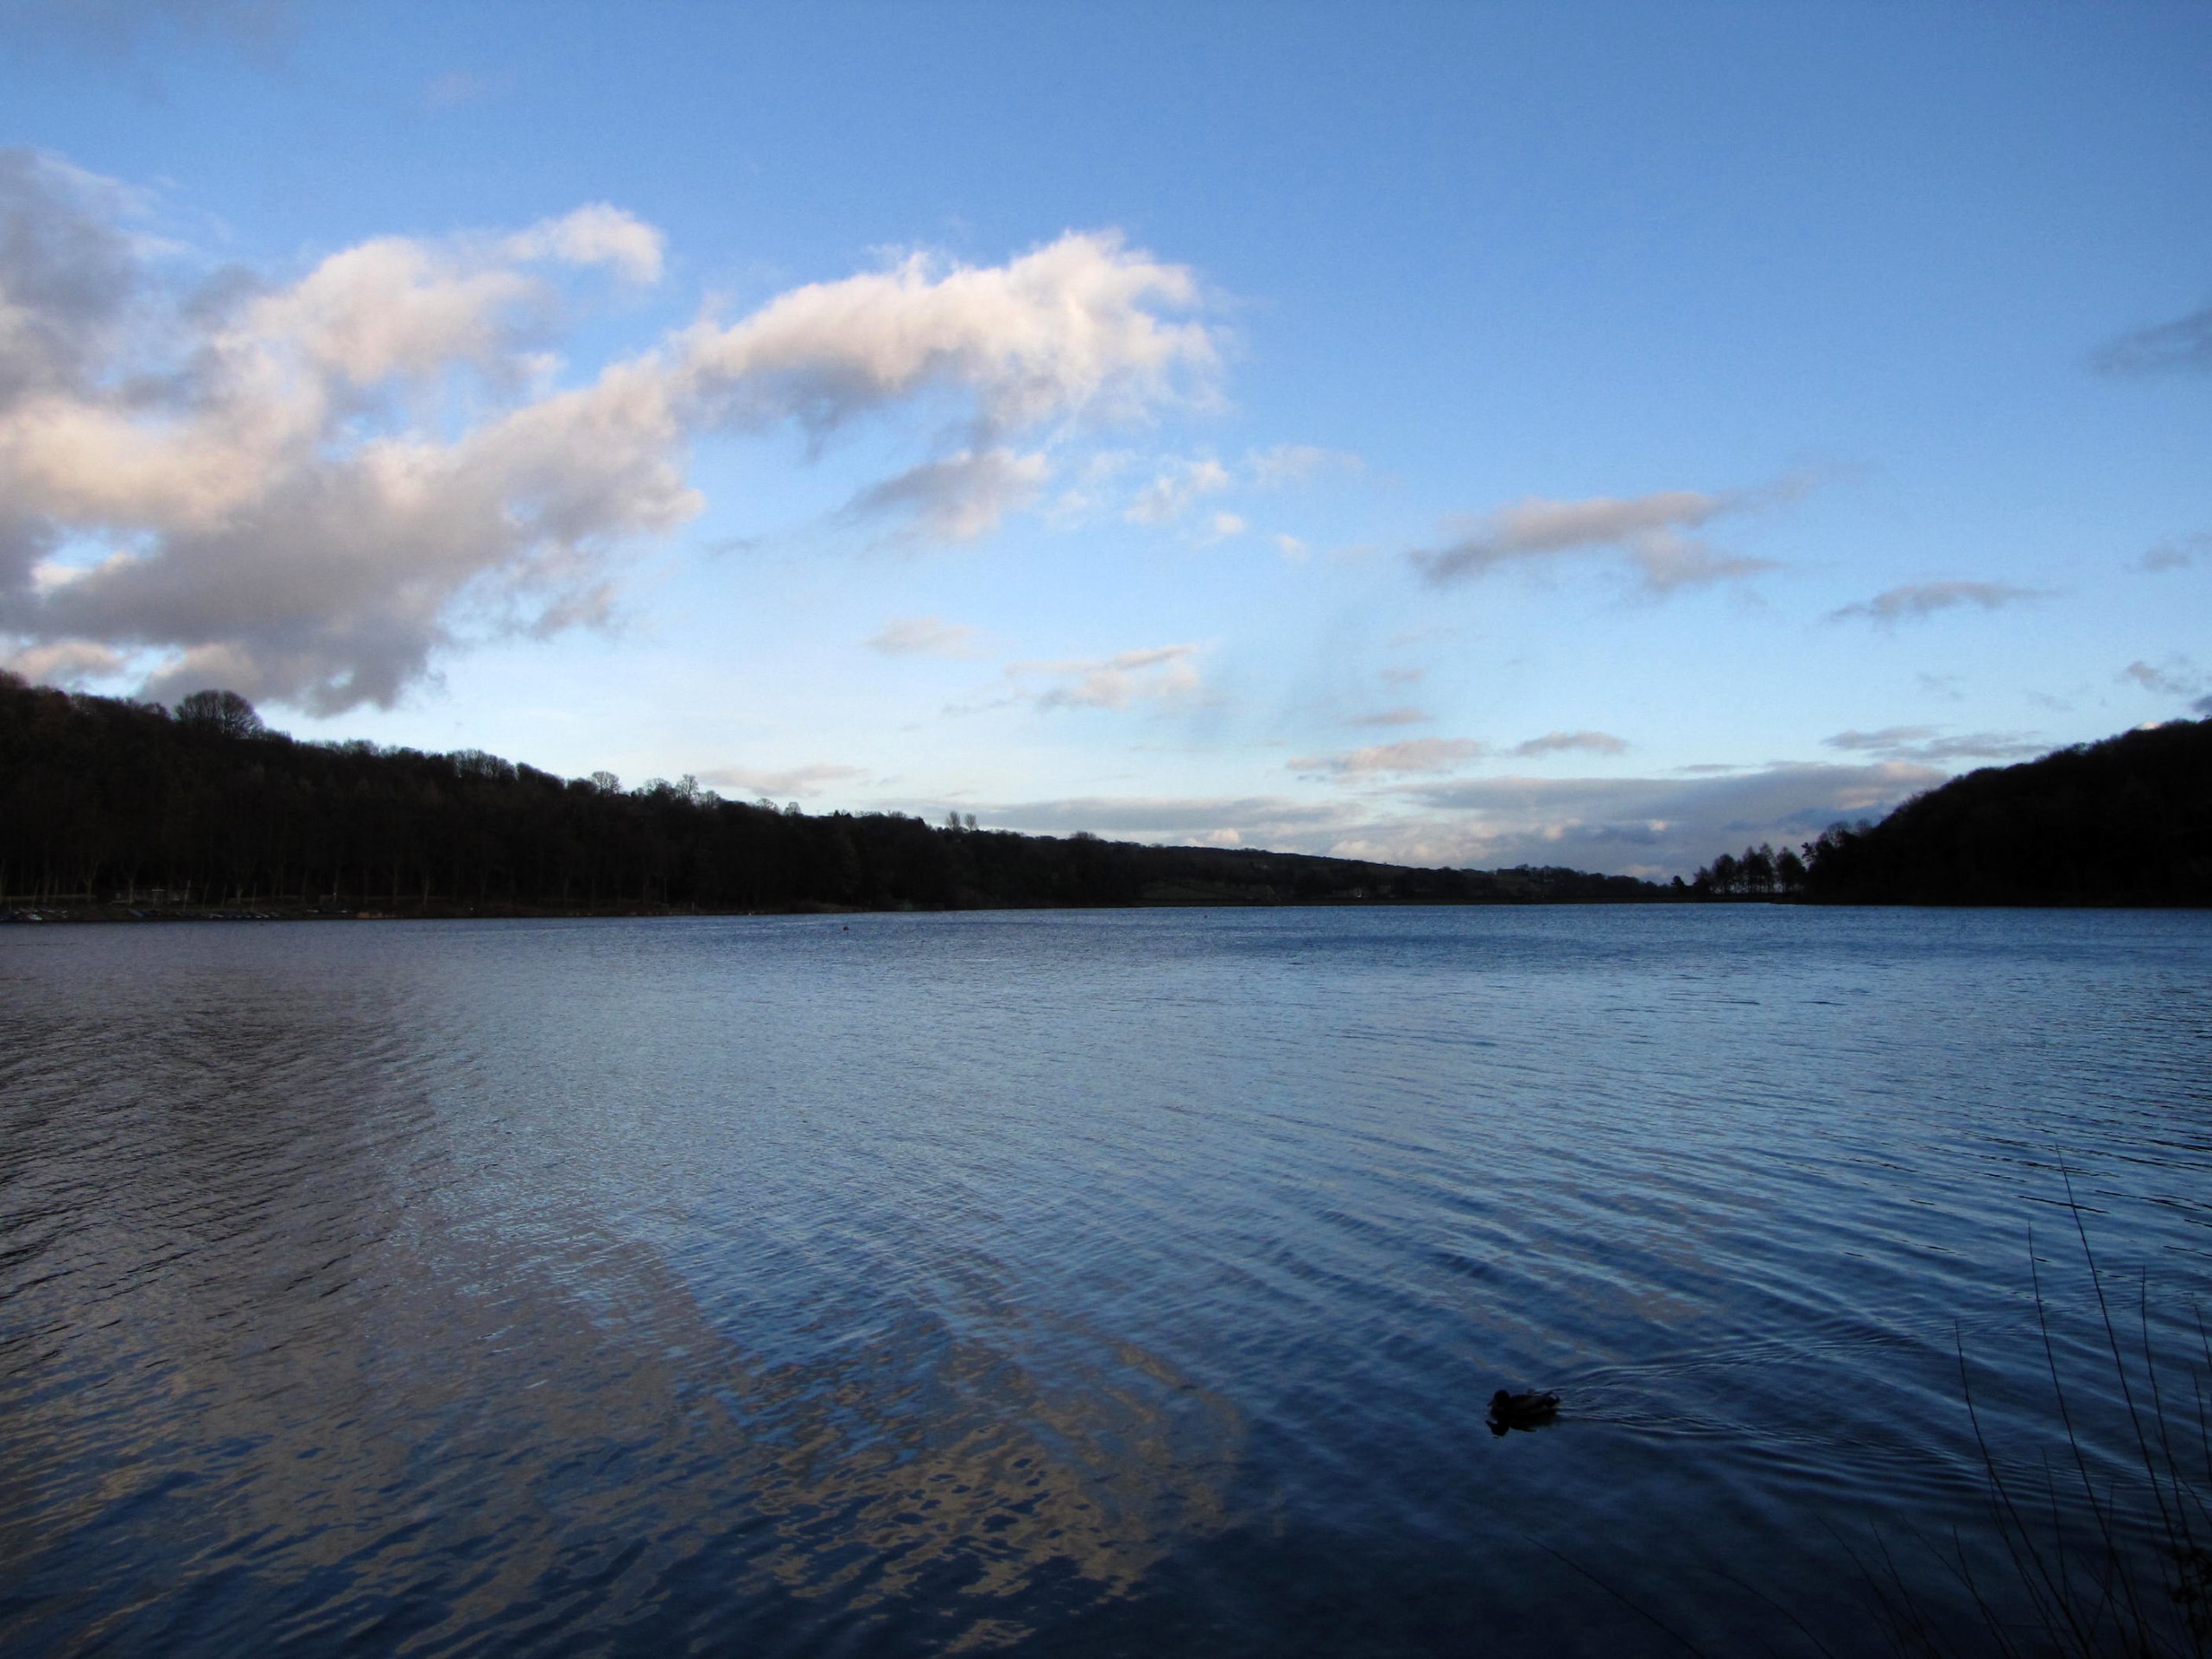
(1524, 1410)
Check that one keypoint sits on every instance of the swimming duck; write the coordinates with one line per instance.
(1523, 1410)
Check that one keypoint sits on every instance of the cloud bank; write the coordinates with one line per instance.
(304, 489)
(1637, 826)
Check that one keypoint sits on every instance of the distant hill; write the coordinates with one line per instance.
(110, 807)
(2128, 821)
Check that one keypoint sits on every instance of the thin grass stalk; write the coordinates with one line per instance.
(2014, 1532)
(2099, 1602)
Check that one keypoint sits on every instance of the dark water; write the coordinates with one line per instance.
(1070, 1283)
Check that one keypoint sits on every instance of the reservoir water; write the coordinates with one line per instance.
(1074, 1283)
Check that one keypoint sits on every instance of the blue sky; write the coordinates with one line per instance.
(1474, 434)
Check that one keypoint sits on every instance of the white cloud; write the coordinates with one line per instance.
(1416, 754)
(1571, 742)
(600, 234)
(389, 309)
(65, 663)
(1072, 328)
(1920, 599)
(1171, 494)
(1292, 548)
(926, 636)
(309, 488)
(797, 780)
(1223, 526)
(1648, 530)
(1924, 743)
(1161, 674)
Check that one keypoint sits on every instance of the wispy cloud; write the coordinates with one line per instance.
(1178, 485)
(1239, 820)
(1922, 599)
(1571, 742)
(1166, 674)
(123, 30)
(2177, 553)
(1174, 491)
(926, 636)
(803, 781)
(1404, 714)
(1287, 464)
(1926, 745)
(2177, 676)
(1415, 755)
(1651, 533)
(960, 498)
(1418, 756)
(2185, 343)
(457, 87)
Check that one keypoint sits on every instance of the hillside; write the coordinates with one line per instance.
(2128, 821)
(106, 803)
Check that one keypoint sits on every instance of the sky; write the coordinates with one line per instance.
(1602, 436)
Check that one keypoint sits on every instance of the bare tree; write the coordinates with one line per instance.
(225, 712)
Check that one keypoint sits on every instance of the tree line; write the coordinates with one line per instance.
(2126, 821)
(107, 801)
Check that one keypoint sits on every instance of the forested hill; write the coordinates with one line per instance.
(107, 803)
(2125, 821)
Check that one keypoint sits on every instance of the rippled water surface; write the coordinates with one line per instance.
(1075, 1283)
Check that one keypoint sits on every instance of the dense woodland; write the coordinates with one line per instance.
(105, 803)
(2128, 821)
(128, 807)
